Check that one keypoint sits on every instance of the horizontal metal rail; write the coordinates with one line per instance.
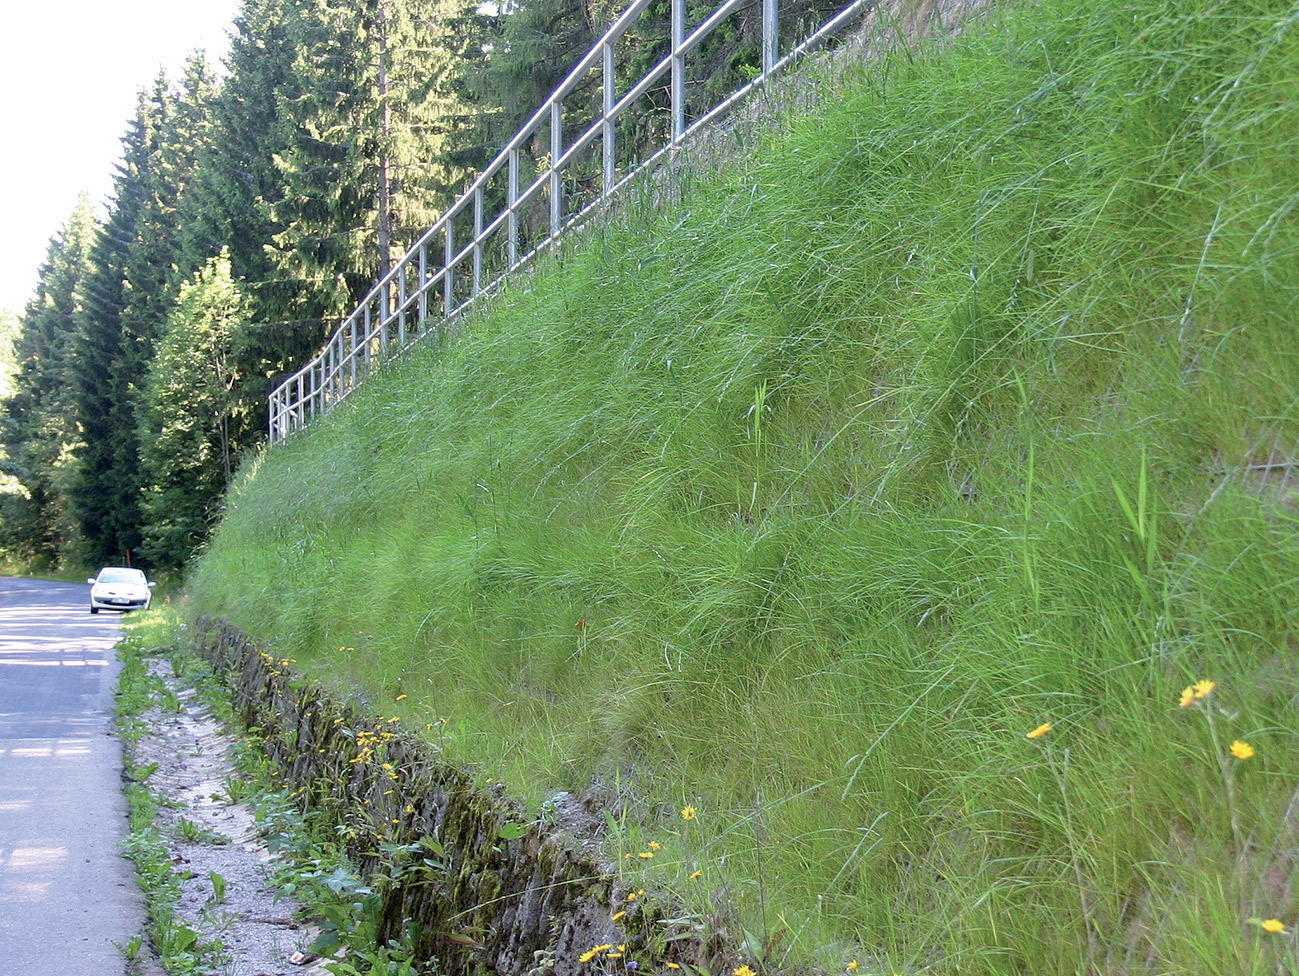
(441, 276)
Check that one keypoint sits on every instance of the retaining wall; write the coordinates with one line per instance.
(532, 904)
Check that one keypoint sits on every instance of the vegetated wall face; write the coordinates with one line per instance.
(507, 899)
(964, 408)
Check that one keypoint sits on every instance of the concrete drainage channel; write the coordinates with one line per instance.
(227, 916)
(458, 875)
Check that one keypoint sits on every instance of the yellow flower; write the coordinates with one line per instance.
(592, 953)
(654, 845)
(852, 966)
(1038, 732)
(688, 813)
(1188, 697)
(645, 855)
(697, 874)
(1203, 687)
(1274, 925)
(399, 698)
(616, 916)
(1242, 750)
(742, 971)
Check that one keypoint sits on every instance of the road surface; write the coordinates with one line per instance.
(66, 895)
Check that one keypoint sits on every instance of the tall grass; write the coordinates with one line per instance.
(962, 405)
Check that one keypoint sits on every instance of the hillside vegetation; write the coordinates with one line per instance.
(774, 521)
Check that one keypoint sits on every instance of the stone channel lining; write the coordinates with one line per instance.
(527, 905)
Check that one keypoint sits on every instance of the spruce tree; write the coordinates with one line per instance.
(191, 413)
(39, 425)
(376, 125)
(99, 381)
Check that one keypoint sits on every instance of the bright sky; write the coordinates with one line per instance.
(69, 75)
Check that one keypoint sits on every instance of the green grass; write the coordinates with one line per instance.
(935, 418)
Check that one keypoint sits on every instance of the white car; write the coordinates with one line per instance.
(118, 588)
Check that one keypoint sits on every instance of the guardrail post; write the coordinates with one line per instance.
(327, 374)
(385, 313)
(478, 242)
(448, 272)
(556, 181)
(607, 137)
(368, 325)
(770, 35)
(678, 71)
(336, 369)
(401, 304)
(351, 356)
(512, 198)
(423, 282)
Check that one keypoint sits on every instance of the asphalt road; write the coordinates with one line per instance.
(66, 895)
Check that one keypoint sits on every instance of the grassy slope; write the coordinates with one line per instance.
(802, 502)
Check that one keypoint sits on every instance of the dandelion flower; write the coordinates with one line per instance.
(742, 971)
(654, 845)
(688, 813)
(1188, 697)
(399, 698)
(697, 874)
(1242, 750)
(592, 953)
(1038, 732)
(1274, 925)
(1203, 687)
(616, 916)
(852, 966)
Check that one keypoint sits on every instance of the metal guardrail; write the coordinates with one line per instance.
(420, 294)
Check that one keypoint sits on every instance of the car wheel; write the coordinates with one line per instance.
(94, 609)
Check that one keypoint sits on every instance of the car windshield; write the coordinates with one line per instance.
(110, 575)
